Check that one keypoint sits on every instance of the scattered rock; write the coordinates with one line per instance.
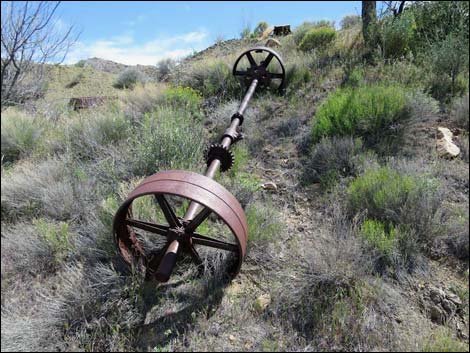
(436, 295)
(262, 302)
(272, 43)
(445, 145)
(454, 299)
(437, 314)
(231, 338)
(441, 305)
(269, 186)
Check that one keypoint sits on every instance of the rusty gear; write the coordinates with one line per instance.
(217, 151)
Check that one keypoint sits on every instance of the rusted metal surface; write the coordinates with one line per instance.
(260, 70)
(207, 198)
(78, 103)
(192, 186)
(282, 30)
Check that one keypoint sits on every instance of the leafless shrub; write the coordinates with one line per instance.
(165, 67)
(30, 39)
(332, 158)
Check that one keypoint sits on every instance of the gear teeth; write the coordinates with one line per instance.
(217, 151)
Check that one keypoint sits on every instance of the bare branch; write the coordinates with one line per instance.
(30, 39)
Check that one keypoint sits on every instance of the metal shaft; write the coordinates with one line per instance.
(168, 261)
(226, 142)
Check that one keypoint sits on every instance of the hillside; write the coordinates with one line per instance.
(357, 218)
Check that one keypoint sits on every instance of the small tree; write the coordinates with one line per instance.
(30, 38)
(165, 66)
(259, 29)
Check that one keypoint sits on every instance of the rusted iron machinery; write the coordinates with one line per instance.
(147, 230)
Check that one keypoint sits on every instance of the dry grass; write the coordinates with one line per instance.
(65, 288)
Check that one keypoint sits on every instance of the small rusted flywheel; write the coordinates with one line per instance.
(257, 63)
(219, 230)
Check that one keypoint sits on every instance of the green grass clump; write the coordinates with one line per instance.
(366, 111)
(443, 341)
(56, 236)
(184, 98)
(396, 199)
(263, 224)
(211, 78)
(20, 134)
(381, 192)
(167, 138)
(86, 135)
(375, 235)
(317, 38)
(399, 211)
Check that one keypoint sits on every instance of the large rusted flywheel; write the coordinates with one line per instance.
(183, 216)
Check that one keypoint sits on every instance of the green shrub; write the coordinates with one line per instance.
(80, 63)
(437, 19)
(354, 78)
(128, 79)
(366, 111)
(398, 35)
(56, 236)
(240, 159)
(86, 135)
(395, 199)
(167, 138)
(297, 75)
(375, 235)
(184, 98)
(317, 38)
(300, 31)
(260, 28)
(211, 78)
(20, 135)
(399, 213)
(448, 59)
(245, 32)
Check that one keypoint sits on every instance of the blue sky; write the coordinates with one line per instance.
(144, 32)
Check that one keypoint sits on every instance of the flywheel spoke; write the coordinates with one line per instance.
(170, 215)
(251, 60)
(196, 222)
(149, 227)
(199, 239)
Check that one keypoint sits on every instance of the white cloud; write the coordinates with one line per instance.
(124, 49)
